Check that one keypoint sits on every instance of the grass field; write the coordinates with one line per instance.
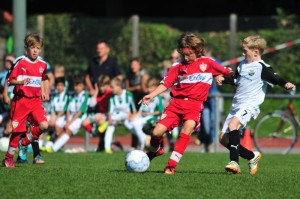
(98, 175)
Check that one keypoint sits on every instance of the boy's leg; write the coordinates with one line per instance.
(108, 138)
(179, 149)
(9, 155)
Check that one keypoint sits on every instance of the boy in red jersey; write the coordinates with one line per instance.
(190, 79)
(27, 76)
(99, 104)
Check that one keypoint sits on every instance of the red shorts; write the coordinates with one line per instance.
(180, 110)
(23, 108)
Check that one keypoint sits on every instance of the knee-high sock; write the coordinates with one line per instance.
(155, 143)
(244, 152)
(179, 149)
(140, 134)
(35, 147)
(60, 142)
(13, 145)
(109, 136)
(234, 141)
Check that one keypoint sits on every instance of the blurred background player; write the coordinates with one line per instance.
(121, 108)
(96, 122)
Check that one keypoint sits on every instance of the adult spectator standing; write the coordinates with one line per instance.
(136, 83)
(102, 64)
(207, 132)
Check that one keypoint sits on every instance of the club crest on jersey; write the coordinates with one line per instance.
(41, 70)
(203, 67)
(251, 72)
(15, 124)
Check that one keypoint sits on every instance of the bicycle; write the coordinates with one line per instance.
(277, 131)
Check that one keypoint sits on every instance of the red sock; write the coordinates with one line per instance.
(179, 149)
(155, 143)
(13, 145)
(88, 128)
(36, 132)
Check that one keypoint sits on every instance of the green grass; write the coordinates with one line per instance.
(98, 175)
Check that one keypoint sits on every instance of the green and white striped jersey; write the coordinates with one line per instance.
(78, 102)
(59, 102)
(123, 103)
(156, 104)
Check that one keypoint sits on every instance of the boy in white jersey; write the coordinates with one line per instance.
(76, 113)
(251, 79)
(120, 109)
(147, 114)
(59, 105)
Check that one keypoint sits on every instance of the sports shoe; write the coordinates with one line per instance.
(102, 128)
(9, 163)
(253, 163)
(233, 167)
(22, 161)
(152, 154)
(38, 160)
(169, 170)
(108, 151)
(22, 153)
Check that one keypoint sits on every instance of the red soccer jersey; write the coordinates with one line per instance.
(102, 101)
(25, 68)
(193, 81)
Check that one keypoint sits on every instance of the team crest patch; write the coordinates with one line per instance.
(41, 70)
(15, 124)
(203, 67)
(163, 116)
(251, 72)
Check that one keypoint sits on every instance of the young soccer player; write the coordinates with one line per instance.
(121, 107)
(59, 105)
(251, 79)
(99, 105)
(76, 113)
(28, 76)
(147, 114)
(190, 80)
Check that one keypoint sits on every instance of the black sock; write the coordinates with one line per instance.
(35, 148)
(244, 153)
(234, 143)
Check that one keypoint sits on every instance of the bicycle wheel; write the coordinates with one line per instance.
(275, 133)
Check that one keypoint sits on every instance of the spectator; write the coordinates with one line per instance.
(99, 104)
(102, 64)
(207, 132)
(121, 108)
(76, 113)
(136, 79)
(147, 114)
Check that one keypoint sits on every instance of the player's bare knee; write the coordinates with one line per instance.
(44, 126)
(224, 139)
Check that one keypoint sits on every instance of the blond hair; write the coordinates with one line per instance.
(33, 39)
(59, 68)
(255, 42)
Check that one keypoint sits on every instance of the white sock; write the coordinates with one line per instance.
(41, 143)
(60, 142)
(108, 137)
(49, 144)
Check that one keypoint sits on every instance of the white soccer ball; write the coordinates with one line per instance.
(4, 142)
(137, 161)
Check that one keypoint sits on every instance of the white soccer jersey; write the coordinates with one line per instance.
(251, 89)
(59, 102)
(123, 103)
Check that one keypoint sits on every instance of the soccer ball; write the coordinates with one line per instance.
(137, 161)
(4, 142)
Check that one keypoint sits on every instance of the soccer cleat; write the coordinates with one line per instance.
(108, 151)
(233, 167)
(9, 163)
(253, 163)
(169, 170)
(152, 154)
(20, 160)
(102, 128)
(22, 153)
(38, 160)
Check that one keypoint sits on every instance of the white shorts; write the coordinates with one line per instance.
(74, 126)
(244, 114)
